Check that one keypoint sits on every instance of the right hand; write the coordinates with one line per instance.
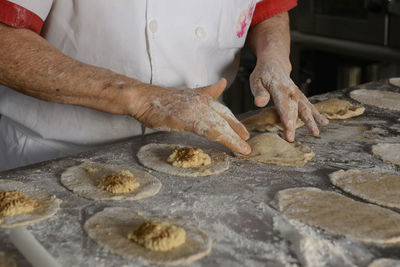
(194, 110)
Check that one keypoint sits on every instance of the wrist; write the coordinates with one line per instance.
(276, 63)
(131, 97)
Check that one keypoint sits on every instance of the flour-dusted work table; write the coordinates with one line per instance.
(232, 207)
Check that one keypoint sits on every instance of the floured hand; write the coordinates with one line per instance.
(272, 79)
(194, 110)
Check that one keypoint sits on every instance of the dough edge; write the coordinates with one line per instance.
(92, 222)
(52, 204)
(86, 186)
(378, 150)
(308, 154)
(278, 201)
(147, 156)
(358, 95)
(337, 175)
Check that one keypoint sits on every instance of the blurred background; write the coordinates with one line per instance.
(335, 44)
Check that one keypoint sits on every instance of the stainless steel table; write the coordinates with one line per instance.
(231, 207)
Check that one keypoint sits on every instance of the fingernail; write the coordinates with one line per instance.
(246, 149)
(290, 137)
(260, 101)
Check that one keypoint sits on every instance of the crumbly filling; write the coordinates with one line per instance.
(14, 202)
(92, 170)
(158, 236)
(118, 183)
(189, 157)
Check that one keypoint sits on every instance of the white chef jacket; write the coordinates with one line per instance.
(174, 43)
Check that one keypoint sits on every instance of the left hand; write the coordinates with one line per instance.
(272, 79)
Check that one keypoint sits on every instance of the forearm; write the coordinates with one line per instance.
(270, 39)
(31, 65)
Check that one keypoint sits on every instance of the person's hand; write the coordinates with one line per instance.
(272, 79)
(193, 110)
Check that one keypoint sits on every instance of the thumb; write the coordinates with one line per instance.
(261, 95)
(216, 89)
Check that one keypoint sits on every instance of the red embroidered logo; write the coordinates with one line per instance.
(244, 20)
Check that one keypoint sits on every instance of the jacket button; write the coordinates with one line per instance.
(200, 33)
(153, 26)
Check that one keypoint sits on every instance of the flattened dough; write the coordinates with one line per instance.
(333, 108)
(267, 120)
(47, 205)
(270, 148)
(110, 229)
(387, 152)
(385, 262)
(6, 261)
(395, 81)
(377, 98)
(339, 215)
(154, 156)
(83, 179)
(379, 188)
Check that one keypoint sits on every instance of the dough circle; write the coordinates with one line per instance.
(47, 205)
(395, 81)
(6, 261)
(385, 262)
(379, 188)
(83, 179)
(387, 152)
(266, 120)
(110, 229)
(270, 148)
(333, 108)
(339, 215)
(377, 98)
(154, 156)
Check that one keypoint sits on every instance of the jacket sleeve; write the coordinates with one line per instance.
(29, 14)
(269, 8)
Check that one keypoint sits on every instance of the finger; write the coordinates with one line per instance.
(319, 117)
(260, 93)
(226, 114)
(216, 89)
(289, 119)
(222, 133)
(315, 113)
(307, 117)
(287, 105)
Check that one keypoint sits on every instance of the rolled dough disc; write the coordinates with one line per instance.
(270, 148)
(395, 81)
(48, 205)
(267, 120)
(154, 156)
(6, 261)
(84, 183)
(110, 229)
(338, 109)
(385, 262)
(380, 188)
(377, 98)
(387, 152)
(339, 215)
